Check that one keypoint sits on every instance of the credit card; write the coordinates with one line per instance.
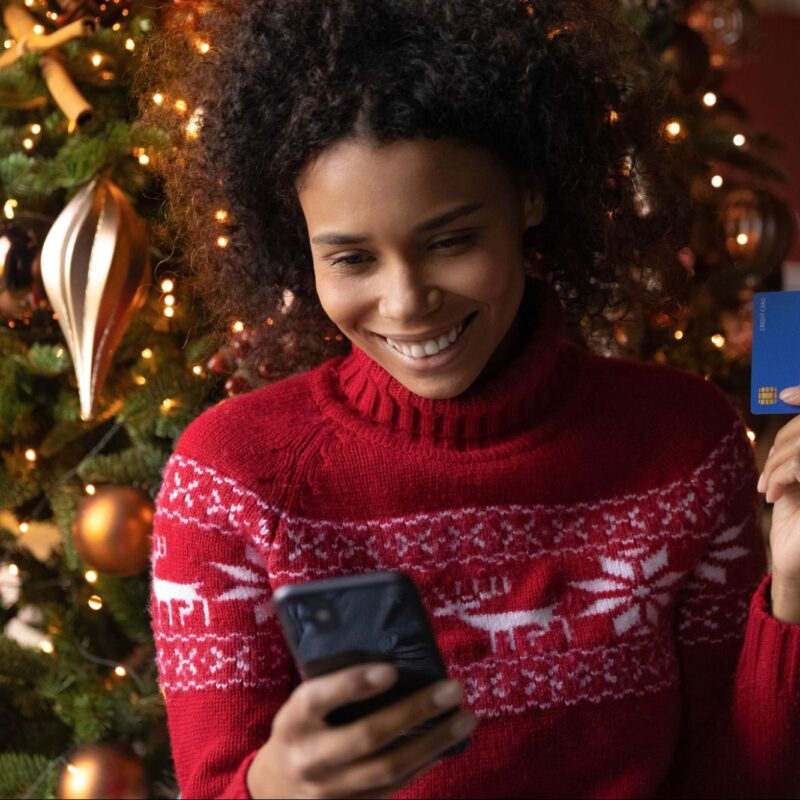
(776, 351)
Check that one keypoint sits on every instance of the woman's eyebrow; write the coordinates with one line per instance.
(429, 225)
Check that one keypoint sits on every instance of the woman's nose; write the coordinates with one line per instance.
(407, 292)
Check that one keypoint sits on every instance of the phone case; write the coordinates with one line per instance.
(355, 619)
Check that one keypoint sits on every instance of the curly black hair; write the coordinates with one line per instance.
(562, 89)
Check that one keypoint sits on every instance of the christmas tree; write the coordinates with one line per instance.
(107, 352)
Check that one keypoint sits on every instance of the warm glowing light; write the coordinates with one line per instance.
(52, 15)
(742, 238)
(158, 98)
(130, 44)
(221, 215)
(169, 300)
(147, 353)
(709, 99)
(222, 241)
(167, 404)
(38, 29)
(237, 326)
(718, 340)
(29, 3)
(30, 454)
(678, 335)
(96, 59)
(144, 159)
(95, 602)
(116, 27)
(169, 311)
(27, 143)
(60, 351)
(90, 575)
(8, 208)
(8, 44)
(739, 139)
(13, 569)
(751, 435)
(120, 671)
(89, 488)
(673, 129)
(140, 380)
(36, 129)
(716, 181)
(180, 106)
(24, 527)
(202, 47)
(167, 285)
(46, 646)
(197, 369)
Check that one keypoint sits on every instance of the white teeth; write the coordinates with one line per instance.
(429, 348)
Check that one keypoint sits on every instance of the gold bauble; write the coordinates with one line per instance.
(102, 770)
(113, 528)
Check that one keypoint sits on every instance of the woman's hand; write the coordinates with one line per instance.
(781, 483)
(305, 757)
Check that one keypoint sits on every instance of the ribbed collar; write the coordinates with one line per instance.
(362, 394)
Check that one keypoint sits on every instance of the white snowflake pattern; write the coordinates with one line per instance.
(253, 584)
(712, 568)
(630, 589)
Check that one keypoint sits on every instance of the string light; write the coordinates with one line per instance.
(709, 99)
(192, 129)
(739, 139)
(46, 646)
(29, 3)
(742, 238)
(222, 241)
(718, 340)
(197, 370)
(169, 311)
(130, 44)
(30, 454)
(36, 129)
(23, 527)
(8, 208)
(673, 129)
(116, 27)
(167, 404)
(167, 285)
(221, 215)
(120, 671)
(96, 59)
(90, 575)
(27, 143)
(678, 335)
(751, 435)
(8, 44)
(180, 106)
(158, 98)
(13, 569)
(140, 380)
(144, 159)
(716, 181)
(95, 602)
(237, 326)
(147, 353)
(89, 488)
(202, 46)
(169, 300)
(38, 30)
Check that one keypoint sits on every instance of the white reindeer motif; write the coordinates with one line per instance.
(186, 593)
(507, 621)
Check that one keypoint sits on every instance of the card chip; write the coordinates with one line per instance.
(768, 395)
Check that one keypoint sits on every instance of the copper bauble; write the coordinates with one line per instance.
(757, 227)
(103, 771)
(729, 27)
(113, 528)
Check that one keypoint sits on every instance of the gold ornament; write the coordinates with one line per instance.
(22, 26)
(112, 530)
(95, 267)
(103, 771)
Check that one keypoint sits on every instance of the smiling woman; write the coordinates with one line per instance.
(289, 86)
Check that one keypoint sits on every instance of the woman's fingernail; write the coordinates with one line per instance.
(379, 676)
(447, 695)
(760, 483)
(462, 726)
(790, 395)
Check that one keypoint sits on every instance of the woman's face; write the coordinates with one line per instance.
(409, 240)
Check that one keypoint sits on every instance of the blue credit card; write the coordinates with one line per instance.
(776, 351)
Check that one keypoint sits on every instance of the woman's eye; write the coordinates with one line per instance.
(455, 241)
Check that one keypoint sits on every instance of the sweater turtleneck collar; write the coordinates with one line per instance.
(486, 412)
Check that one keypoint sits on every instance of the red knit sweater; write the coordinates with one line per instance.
(584, 533)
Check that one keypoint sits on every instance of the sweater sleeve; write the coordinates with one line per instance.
(223, 667)
(740, 667)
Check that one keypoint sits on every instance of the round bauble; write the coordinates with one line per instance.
(103, 771)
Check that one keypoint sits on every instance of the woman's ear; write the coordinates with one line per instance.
(533, 202)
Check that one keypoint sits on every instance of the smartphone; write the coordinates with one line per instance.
(355, 619)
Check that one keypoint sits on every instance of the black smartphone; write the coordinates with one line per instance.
(356, 619)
